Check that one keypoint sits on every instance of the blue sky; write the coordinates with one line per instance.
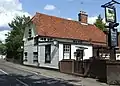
(66, 8)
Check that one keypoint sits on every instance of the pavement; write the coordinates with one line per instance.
(31, 76)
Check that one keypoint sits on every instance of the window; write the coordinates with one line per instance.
(25, 55)
(30, 32)
(36, 41)
(80, 54)
(35, 56)
(76, 41)
(45, 39)
(67, 51)
(41, 39)
(47, 53)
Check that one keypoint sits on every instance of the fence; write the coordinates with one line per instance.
(103, 70)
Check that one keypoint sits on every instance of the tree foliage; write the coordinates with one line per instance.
(99, 23)
(2, 48)
(15, 36)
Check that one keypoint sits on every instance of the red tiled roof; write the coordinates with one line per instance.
(62, 28)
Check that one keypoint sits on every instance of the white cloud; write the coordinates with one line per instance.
(69, 18)
(2, 35)
(91, 20)
(9, 9)
(49, 7)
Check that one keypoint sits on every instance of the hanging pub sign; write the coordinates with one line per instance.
(113, 42)
(110, 14)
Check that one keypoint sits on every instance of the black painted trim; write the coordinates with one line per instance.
(73, 39)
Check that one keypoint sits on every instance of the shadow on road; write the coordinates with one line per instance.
(20, 80)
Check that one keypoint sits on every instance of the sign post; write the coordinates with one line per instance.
(110, 17)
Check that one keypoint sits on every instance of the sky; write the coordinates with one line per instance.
(68, 9)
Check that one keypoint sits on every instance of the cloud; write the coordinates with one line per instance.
(91, 20)
(69, 18)
(9, 9)
(49, 7)
(2, 35)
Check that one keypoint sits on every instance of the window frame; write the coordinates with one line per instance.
(68, 50)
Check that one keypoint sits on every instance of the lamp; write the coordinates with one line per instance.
(55, 42)
(21, 47)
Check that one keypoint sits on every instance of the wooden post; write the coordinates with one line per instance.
(112, 54)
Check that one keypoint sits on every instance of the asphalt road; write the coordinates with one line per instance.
(10, 76)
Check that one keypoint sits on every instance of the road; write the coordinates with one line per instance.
(10, 76)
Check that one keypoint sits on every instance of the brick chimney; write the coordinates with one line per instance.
(83, 17)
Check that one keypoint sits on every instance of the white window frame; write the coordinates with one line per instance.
(66, 51)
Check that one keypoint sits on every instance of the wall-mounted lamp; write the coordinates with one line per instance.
(21, 47)
(55, 42)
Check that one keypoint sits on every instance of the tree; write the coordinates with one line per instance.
(2, 48)
(14, 38)
(99, 23)
(0, 41)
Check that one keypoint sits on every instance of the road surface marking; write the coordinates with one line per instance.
(3, 71)
(22, 82)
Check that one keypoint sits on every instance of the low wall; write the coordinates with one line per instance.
(66, 66)
(105, 71)
(97, 69)
(113, 73)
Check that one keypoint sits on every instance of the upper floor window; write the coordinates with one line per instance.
(35, 40)
(30, 33)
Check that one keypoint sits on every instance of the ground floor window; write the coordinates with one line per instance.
(35, 56)
(66, 51)
(47, 53)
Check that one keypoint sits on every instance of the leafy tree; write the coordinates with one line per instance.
(2, 48)
(99, 23)
(14, 38)
(0, 41)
